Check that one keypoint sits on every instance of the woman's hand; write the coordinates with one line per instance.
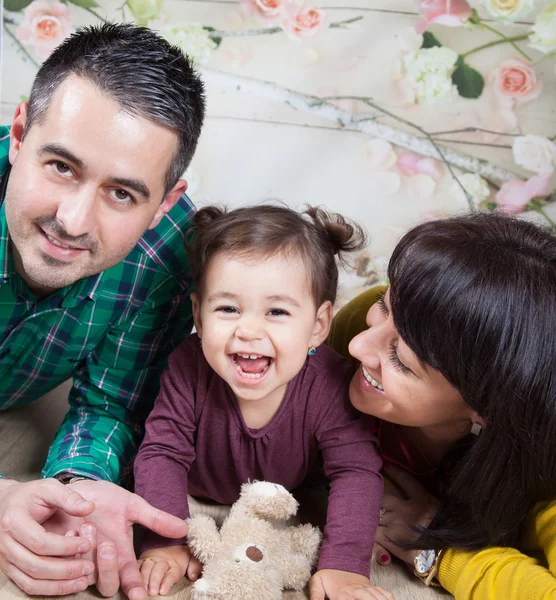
(416, 508)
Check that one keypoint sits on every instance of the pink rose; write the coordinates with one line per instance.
(268, 10)
(452, 13)
(305, 23)
(412, 164)
(514, 195)
(46, 25)
(514, 82)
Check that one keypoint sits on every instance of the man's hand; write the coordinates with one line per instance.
(163, 567)
(116, 510)
(342, 585)
(36, 560)
(416, 508)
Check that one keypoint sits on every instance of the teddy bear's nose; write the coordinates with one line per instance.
(254, 554)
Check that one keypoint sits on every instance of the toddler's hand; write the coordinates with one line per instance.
(161, 568)
(342, 585)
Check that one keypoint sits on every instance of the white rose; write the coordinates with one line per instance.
(508, 10)
(193, 39)
(475, 186)
(429, 73)
(543, 37)
(535, 153)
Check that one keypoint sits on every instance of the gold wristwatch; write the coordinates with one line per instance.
(426, 565)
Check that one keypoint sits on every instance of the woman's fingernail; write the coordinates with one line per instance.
(384, 558)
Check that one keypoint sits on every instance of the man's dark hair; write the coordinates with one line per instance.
(137, 68)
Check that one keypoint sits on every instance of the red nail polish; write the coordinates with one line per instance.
(384, 558)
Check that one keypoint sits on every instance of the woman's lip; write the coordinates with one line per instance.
(365, 384)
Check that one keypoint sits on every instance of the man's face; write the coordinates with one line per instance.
(85, 185)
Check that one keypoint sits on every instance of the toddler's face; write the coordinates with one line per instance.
(257, 321)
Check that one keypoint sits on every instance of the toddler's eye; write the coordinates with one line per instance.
(228, 310)
(277, 312)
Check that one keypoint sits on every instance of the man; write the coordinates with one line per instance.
(93, 284)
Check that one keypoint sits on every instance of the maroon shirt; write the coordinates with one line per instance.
(197, 442)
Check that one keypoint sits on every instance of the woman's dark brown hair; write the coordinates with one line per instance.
(257, 232)
(474, 297)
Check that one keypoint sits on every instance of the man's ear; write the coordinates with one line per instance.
(17, 129)
(322, 324)
(196, 302)
(169, 200)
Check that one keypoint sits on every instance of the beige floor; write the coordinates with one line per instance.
(26, 434)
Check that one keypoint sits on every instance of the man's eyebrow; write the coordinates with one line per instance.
(58, 150)
(135, 184)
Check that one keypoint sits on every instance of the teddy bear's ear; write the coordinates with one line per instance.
(266, 500)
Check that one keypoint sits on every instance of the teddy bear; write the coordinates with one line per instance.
(255, 555)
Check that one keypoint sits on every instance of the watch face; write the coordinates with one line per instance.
(425, 561)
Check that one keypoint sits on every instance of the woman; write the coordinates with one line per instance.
(458, 367)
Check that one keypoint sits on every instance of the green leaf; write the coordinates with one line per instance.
(216, 40)
(85, 3)
(470, 83)
(429, 40)
(16, 5)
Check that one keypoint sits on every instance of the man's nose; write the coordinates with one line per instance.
(77, 212)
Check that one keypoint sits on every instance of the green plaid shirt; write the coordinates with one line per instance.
(111, 332)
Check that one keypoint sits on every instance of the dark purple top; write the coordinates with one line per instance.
(197, 442)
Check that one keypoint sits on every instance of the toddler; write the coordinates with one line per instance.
(254, 395)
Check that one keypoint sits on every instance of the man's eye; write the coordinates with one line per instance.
(62, 167)
(121, 196)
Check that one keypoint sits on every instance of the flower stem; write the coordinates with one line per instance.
(269, 30)
(94, 13)
(18, 43)
(543, 213)
(506, 40)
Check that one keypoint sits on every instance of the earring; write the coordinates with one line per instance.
(312, 350)
(476, 429)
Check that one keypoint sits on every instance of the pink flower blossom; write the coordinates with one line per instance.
(269, 10)
(45, 26)
(514, 82)
(514, 195)
(411, 164)
(452, 13)
(306, 22)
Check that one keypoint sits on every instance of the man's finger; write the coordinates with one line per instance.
(316, 589)
(406, 482)
(40, 567)
(132, 581)
(166, 525)
(108, 578)
(34, 537)
(43, 587)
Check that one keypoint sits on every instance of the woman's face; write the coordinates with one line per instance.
(394, 385)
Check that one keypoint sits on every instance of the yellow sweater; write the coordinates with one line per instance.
(493, 573)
